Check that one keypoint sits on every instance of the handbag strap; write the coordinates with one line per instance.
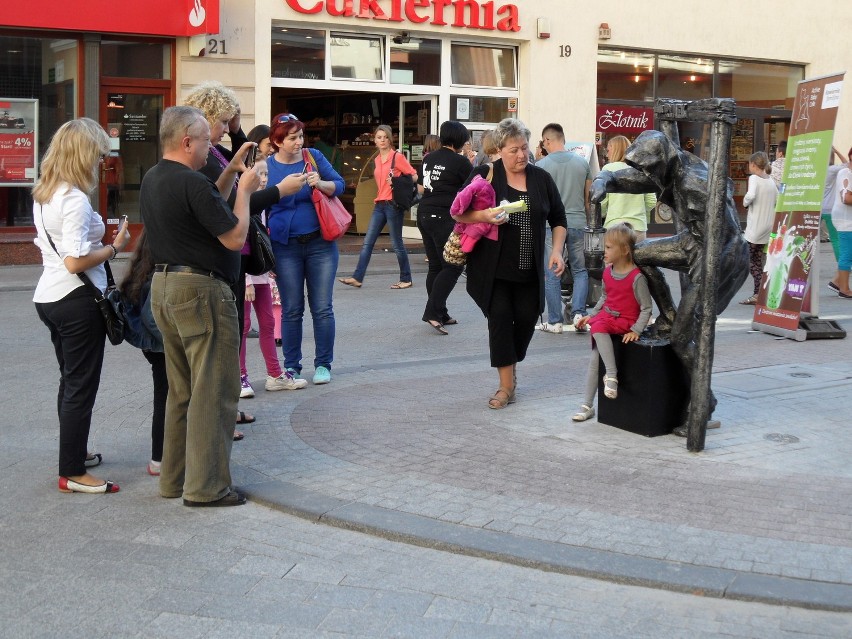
(82, 276)
(308, 157)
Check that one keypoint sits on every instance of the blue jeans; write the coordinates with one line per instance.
(384, 213)
(577, 264)
(314, 264)
(552, 284)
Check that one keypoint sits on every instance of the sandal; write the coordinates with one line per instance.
(497, 402)
(750, 301)
(400, 285)
(239, 435)
(349, 281)
(585, 412)
(242, 418)
(610, 386)
(437, 326)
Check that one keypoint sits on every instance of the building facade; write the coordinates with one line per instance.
(344, 66)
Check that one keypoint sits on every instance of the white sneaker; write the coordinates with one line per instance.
(285, 381)
(245, 388)
(576, 321)
(549, 328)
(154, 468)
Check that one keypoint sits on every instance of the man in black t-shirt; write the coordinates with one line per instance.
(195, 241)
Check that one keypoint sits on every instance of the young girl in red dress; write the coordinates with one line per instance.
(624, 308)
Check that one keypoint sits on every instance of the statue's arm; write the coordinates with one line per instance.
(627, 180)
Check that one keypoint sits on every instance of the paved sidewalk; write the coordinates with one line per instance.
(402, 445)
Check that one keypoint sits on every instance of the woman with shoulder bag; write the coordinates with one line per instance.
(303, 258)
(389, 164)
(70, 237)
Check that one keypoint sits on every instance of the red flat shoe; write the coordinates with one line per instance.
(70, 486)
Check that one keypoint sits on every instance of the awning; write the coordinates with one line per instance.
(146, 17)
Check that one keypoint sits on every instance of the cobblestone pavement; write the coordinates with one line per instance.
(401, 443)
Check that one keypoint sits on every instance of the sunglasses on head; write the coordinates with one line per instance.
(281, 119)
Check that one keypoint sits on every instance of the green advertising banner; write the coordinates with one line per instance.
(795, 232)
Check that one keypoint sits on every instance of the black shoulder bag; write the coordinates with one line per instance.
(261, 259)
(113, 320)
(404, 188)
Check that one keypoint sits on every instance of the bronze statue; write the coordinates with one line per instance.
(708, 247)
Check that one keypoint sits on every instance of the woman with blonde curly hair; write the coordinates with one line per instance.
(219, 105)
(70, 236)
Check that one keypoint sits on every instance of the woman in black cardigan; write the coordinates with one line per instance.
(506, 278)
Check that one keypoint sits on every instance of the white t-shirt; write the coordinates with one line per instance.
(760, 200)
(841, 214)
(76, 230)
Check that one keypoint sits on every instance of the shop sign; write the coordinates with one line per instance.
(468, 14)
(18, 142)
(795, 231)
(624, 119)
(151, 17)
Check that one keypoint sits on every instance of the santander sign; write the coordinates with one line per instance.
(468, 14)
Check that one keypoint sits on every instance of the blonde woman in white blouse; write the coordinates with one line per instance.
(760, 201)
(70, 237)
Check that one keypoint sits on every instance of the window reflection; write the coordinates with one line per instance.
(416, 62)
(357, 57)
(625, 75)
(298, 53)
(483, 66)
(759, 85)
(685, 78)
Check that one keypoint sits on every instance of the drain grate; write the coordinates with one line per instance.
(801, 375)
(781, 439)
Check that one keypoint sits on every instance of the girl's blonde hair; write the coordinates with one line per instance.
(617, 147)
(760, 160)
(489, 147)
(72, 158)
(622, 234)
(216, 101)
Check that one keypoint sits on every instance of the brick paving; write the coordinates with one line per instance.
(403, 429)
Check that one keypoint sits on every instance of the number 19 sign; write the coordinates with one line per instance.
(18, 141)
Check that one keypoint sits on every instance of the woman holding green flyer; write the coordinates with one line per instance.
(506, 277)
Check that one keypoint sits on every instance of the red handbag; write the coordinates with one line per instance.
(333, 217)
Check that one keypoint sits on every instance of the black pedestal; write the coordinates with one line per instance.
(652, 389)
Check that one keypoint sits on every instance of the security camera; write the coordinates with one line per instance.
(402, 38)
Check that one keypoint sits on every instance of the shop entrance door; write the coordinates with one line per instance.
(131, 117)
(417, 118)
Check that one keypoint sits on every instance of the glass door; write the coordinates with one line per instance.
(131, 118)
(418, 115)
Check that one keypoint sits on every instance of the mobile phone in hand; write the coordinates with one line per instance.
(251, 156)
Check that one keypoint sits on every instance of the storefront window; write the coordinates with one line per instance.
(44, 69)
(625, 75)
(759, 85)
(483, 66)
(685, 78)
(136, 60)
(466, 108)
(298, 53)
(356, 57)
(416, 62)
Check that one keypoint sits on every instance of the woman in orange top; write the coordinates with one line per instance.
(385, 212)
